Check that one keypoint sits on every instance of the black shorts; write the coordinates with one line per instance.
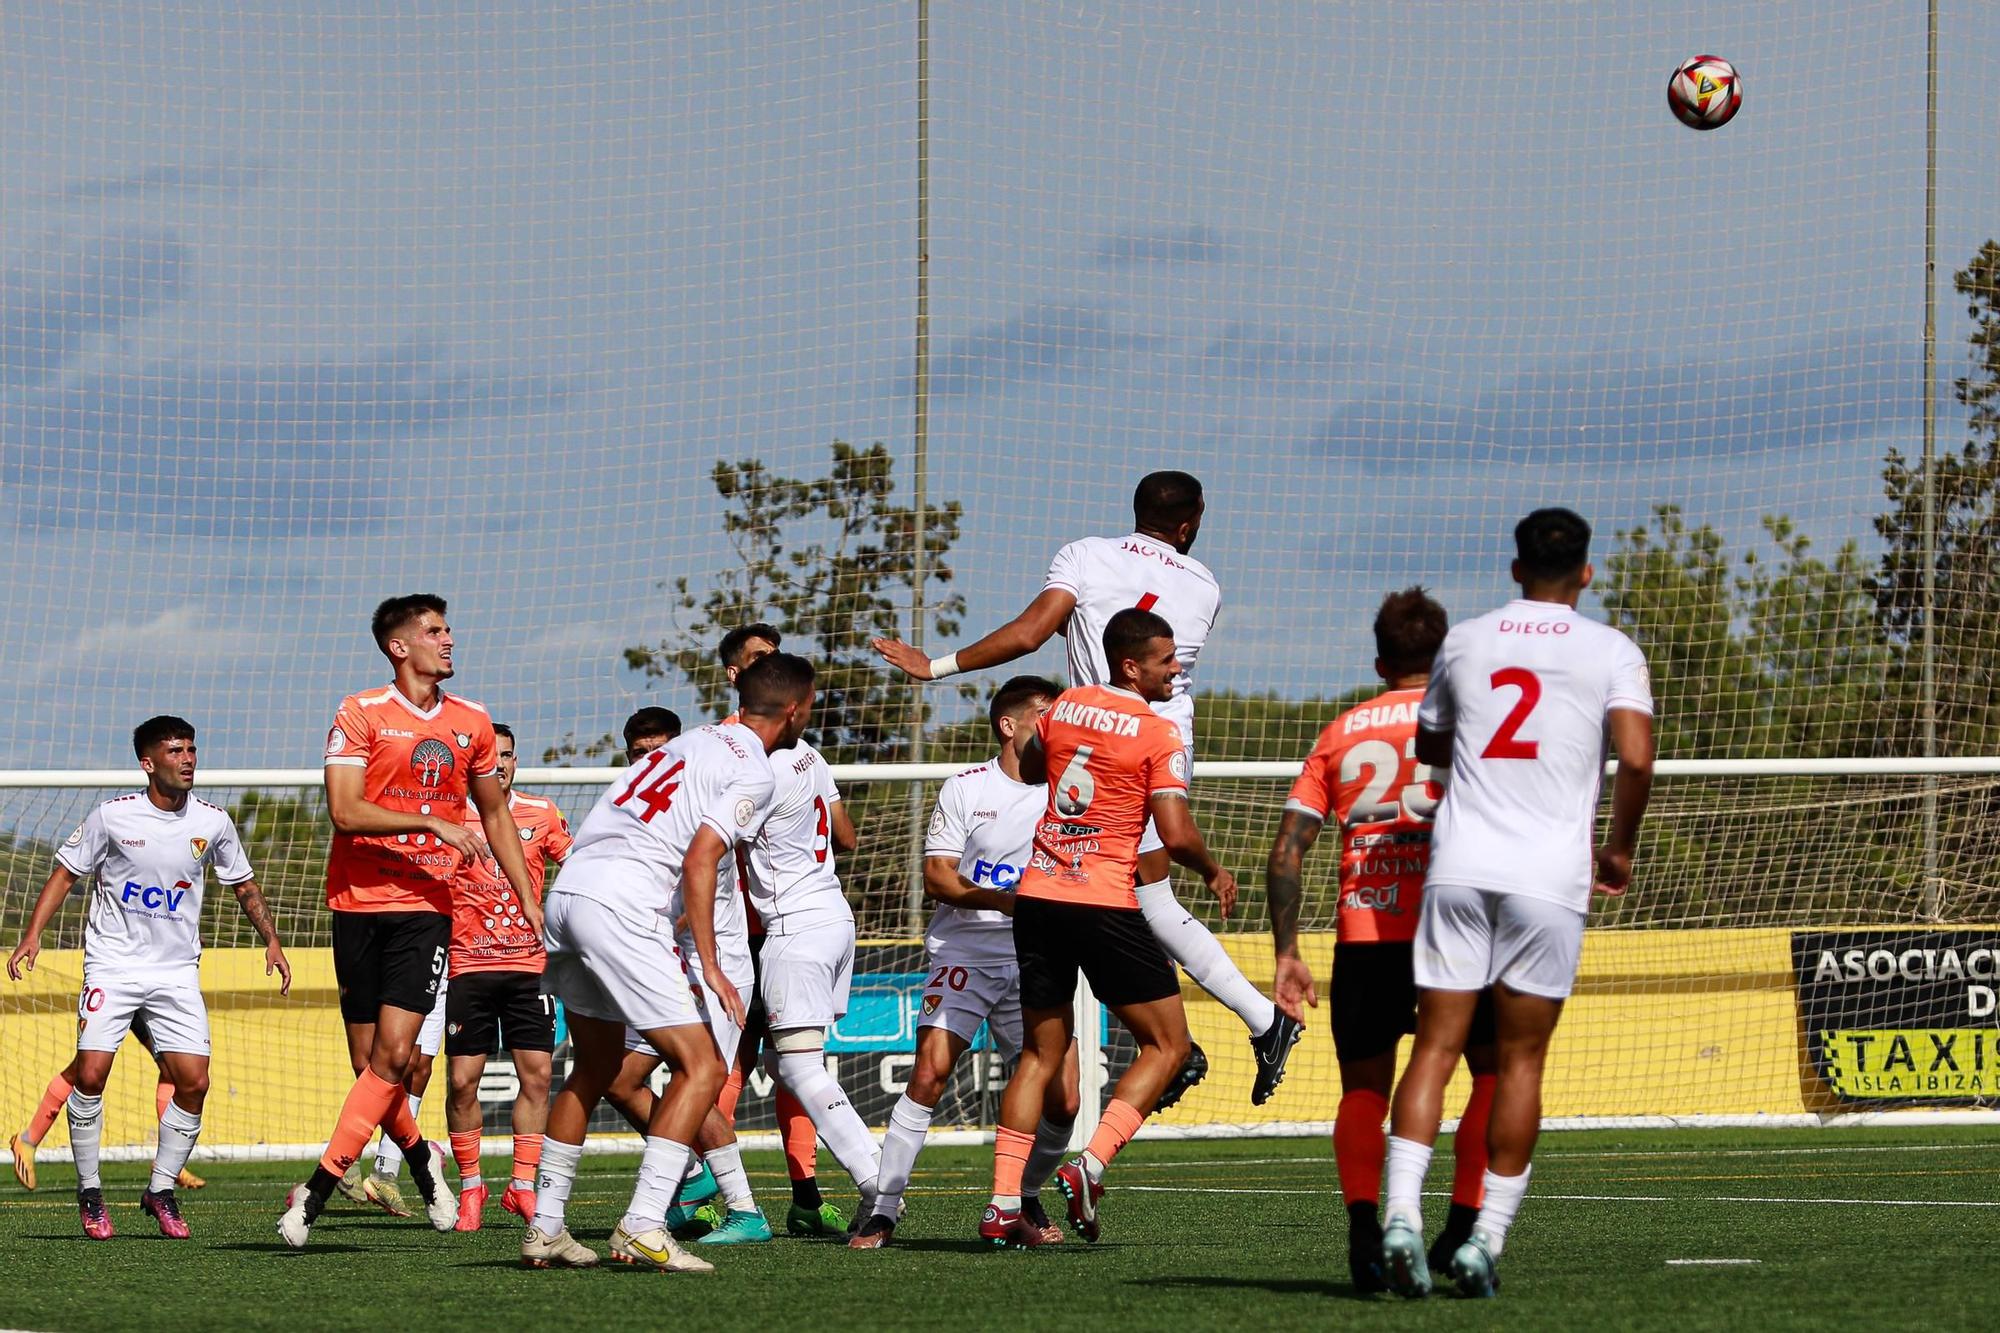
(393, 959)
(1375, 1001)
(1115, 949)
(485, 1012)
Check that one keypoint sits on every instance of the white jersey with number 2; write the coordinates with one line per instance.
(793, 883)
(1524, 691)
(1107, 575)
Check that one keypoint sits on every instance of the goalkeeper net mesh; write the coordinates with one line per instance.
(603, 322)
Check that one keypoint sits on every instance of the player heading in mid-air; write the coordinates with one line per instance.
(1114, 767)
(1089, 582)
(401, 763)
(496, 999)
(1364, 776)
(647, 855)
(150, 853)
(980, 838)
(1518, 705)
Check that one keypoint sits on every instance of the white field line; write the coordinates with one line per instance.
(1609, 1198)
(1712, 1263)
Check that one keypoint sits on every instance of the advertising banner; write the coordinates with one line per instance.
(1901, 1016)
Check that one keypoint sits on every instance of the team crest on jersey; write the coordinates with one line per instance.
(199, 846)
(464, 739)
(937, 822)
(430, 761)
(1177, 764)
(744, 809)
(75, 839)
(527, 834)
(336, 741)
(931, 1003)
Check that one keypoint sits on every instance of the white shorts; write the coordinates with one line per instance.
(616, 966)
(805, 977)
(176, 1016)
(430, 1037)
(958, 998)
(1467, 939)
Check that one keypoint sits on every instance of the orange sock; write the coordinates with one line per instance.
(732, 1093)
(368, 1104)
(52, 1106)
(1114, 1130)
(465, 1151)
(401, 1126)
(527, 1157)
(1010, 1158)
(1359, 1145)
(801, 1139)
(161, 1096)
(1468, 1145)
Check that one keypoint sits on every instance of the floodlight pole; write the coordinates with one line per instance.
(920, 439)
(1930, 902)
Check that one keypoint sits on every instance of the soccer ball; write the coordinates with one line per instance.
(1705, 93)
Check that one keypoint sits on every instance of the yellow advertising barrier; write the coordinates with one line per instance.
(1663, 1023)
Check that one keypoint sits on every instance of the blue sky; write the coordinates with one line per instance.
(307, 304)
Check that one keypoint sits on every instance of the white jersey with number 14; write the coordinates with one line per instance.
(1524, 691)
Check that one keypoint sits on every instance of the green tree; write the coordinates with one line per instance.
(1966, 484)
(831, 562)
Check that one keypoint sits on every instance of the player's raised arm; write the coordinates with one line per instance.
(1035, 626)
(54, 889)
(1632, 741)
(698, 870)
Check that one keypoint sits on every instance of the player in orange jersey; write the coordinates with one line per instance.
(401, 762)
(1363, 775)
(496, 997)
(1110, 762)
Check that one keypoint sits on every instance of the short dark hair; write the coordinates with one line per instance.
(502, 729)
(652, 721)
(1552, 544)
(1165, 500)
(730, 650)
(1409, 628)
(1124, 632)
(392, 615)
(154, 730)
(1017, 694)
(765, 686)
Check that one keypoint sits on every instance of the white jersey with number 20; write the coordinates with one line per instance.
(1524, 691)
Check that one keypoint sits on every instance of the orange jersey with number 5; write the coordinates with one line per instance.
(1108, 752)
(1363, 777)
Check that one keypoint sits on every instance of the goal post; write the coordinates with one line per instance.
(1776, 961)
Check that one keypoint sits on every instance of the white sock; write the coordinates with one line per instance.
(178, 1131)
(1409, 1162)
(1051, 1142)
(553, 1179)
(1496, 1213)
(1092, 1168)
(660, 1172)
(909, 1122)
(86, 1132)
(695, 1165)
(727, 1164)
(1202, 956)
(388, 1157)
(1007, 1203)
(840, 1126)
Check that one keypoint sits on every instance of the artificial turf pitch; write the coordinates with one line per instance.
(1873, 1228)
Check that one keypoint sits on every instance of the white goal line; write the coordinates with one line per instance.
(1225, 769)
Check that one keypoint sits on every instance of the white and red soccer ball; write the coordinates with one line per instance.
(1705, 93)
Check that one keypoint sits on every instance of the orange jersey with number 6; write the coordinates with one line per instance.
(1108, 752)
(1363, 776)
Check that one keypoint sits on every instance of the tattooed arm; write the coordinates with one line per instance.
(251, 899)
(1285, 893)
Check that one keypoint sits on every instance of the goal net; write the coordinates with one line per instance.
(621, 324)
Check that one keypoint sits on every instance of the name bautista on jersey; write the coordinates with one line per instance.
(1107, 720)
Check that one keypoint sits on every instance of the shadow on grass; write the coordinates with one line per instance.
(1281, 1286)
(279, 1247)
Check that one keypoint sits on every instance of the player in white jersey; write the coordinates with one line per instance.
(807, 962)
(1089, 582)
(645, 856)
(979, 840)
(1519, 704)
(150, 853)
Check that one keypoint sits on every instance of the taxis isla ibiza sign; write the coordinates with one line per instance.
(1901, 1015)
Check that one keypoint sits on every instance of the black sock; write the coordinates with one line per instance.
(805, 1194)
(1458, 1222)
(1364, 1217)
(319, 1188)
(418, 1155)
